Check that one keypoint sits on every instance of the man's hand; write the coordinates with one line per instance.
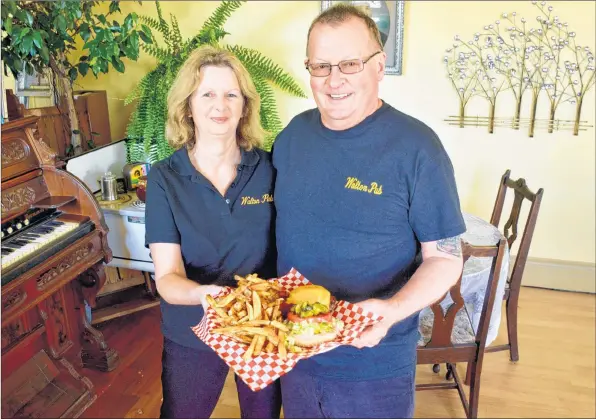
(372, 335)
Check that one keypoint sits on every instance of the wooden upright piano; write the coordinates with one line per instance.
(54, 247)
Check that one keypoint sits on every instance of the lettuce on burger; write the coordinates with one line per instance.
(309, 318)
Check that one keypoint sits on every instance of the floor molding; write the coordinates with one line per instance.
(560, 275)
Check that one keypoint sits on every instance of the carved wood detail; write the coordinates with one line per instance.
(18, 197)
(58, 316)
(47, 156)
(14, 151)
(13, 299)
(12, 332)
(79, 254)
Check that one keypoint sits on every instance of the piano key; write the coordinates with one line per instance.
(23, 247)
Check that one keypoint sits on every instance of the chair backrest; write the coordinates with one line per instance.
(443, 322)
(521, 192)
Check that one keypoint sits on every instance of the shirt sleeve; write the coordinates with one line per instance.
(160, 226)
(435, 212)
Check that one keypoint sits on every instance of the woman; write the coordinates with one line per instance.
(200, 229)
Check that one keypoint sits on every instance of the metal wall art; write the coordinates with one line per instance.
(532, 60)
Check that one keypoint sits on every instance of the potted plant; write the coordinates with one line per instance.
(39, 36)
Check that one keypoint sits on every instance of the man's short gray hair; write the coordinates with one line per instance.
(340, 13)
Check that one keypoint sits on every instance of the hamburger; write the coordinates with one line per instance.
(309, 318)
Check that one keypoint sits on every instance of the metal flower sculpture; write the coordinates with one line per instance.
(543, 60)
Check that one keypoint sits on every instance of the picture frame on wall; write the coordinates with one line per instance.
(389, 17)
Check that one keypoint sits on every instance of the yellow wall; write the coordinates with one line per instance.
(562, 164)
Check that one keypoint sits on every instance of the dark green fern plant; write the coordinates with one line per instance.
(146, 129)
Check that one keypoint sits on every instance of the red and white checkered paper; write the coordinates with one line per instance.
(264, 369)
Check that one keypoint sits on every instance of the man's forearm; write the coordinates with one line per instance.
(429, 283)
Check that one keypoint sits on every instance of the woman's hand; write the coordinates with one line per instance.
(204, 290)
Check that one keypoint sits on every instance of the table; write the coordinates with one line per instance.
(476, 273)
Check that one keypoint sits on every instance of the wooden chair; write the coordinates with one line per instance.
(513, 287)
(448, 337)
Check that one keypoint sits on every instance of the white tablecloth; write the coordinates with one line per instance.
(476, 273)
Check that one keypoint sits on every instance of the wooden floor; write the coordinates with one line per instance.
(555, 376)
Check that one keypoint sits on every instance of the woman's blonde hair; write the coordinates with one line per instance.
(180, 129)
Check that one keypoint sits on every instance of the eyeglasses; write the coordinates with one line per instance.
(347, 66)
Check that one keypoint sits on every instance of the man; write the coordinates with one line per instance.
(367, 207)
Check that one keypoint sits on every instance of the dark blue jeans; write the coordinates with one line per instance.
(307, 396)
(192, 382)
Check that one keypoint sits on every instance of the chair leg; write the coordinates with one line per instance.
(512, 330)
(474, 389)
(468, 374)
(450, 368)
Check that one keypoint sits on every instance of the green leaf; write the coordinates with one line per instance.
(145, 38)
(99, 34)
(146, 30)
(26, 44)
(83, 58)
(76, 131)
(84, 31)
(21, 16)
(37, 39)
(118, 64)
(85, 35)
(114, 7)
(60, 22)
(103, 51)
(8, 25)
(134, 40)
(83, 68)
(102, 19)
(72, 73)
(45, 54)
(11, 6)
(127, 23)
(29, 17)
(16, 34)
(18, 64)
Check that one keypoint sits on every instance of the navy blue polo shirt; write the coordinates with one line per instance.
(219, 236)
(352, 208)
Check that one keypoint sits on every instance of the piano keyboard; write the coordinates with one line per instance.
(41, 234)
(31, 241)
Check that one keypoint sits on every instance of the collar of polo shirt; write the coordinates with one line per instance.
(180, 161)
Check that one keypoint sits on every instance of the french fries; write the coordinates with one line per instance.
(250, 315)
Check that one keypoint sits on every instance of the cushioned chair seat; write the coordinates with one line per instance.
(462, 328)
